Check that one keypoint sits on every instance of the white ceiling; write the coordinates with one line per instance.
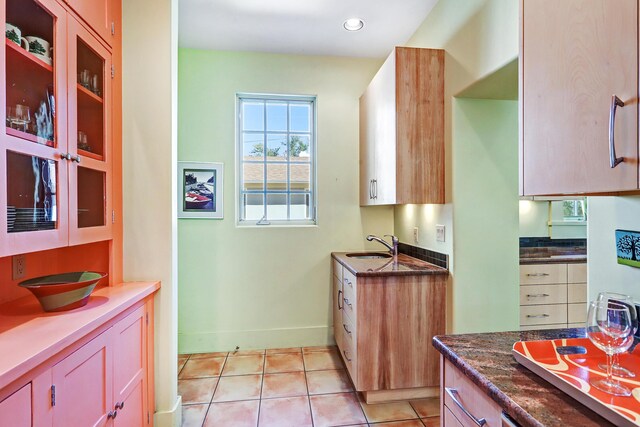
(308, 27)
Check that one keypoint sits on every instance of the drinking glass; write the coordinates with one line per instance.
(626, 300)
(19, 115)
(609, 326)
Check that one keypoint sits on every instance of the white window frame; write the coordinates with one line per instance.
(240, 192)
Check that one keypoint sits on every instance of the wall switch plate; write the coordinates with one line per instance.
(19, 269)
(416, 235)
(440, 233)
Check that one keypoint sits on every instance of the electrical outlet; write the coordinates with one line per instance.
(19, 267)
(415, 235)
(440, 233)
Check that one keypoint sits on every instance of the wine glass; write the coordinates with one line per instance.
(609, 326)
(626, 300)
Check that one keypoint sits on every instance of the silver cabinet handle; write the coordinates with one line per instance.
(346, 301)
(75, 159)
(613, 160)
(65, 156)
(537, 316)
(453, 394)
(112, 414)
(346, 329)
(345, 355)
(339, 293)
(537, 274)
(537, 295)
(120, 405)
(370, 189)
(348, 282)
(375, 188)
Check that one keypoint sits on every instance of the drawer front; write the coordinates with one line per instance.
(349, 331)
(543, 314)
(577, 313)
(337, 269)
(350, 356)
(449, 419)
(337, 310)
(541, 274)
(349, 305)
(577, 273)
(461, 394)
(543, 294)
(576, 292)
(538, 327)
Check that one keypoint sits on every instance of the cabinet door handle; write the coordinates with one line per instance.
(537, 295)
(537, 274)
(370, 189)
(339, 298)
(346, 329)
(112, 414)
(375, 189)
(453, 394)
(120, 405)
(613, 160)
(345, 355)
(346, 301)
(348, 282)
(537, 316)
(65, 156)
(75, 159)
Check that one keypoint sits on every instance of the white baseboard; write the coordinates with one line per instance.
(170, 418)
(255, 339)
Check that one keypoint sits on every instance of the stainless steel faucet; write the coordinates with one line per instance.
(393, 248)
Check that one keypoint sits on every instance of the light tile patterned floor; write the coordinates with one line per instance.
(284, 387)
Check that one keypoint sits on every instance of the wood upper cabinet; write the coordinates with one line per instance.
(101, 15)
(15, 410)
(575, 56)
(402, 130)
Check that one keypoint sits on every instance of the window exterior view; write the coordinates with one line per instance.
(276, 160)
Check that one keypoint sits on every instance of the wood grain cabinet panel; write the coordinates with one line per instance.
(577, 273)
(575, 55)
(15, 410)
(543, 314)
(538, 274)
(577, 292)
(402, 130)
(543, 294)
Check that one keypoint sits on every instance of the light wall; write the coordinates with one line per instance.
(149, 171)
(266, 286)
(480, 38)
(534, 218)
(606, 214)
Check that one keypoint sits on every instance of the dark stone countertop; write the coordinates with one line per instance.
(404, 265)
(530, 400)
(558, 259)
(553, 255)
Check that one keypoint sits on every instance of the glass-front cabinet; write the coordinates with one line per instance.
(55, 145)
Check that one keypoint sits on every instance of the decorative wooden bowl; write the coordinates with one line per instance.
(66, 291)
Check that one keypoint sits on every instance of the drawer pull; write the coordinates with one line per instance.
(537, 316)
(537, 274)
(345, 355)
(346, 329)
(339, 298)
(537, 295)
(346, 301)
(453, 394)
(348, 282)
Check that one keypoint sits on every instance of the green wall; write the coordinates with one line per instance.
(266, 286)
(480, 38)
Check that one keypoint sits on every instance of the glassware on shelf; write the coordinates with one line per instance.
(626, 300)
(85, 79)
(19, 116)
(609, 327)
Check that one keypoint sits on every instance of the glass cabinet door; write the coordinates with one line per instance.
(33, 142)
(89, 97)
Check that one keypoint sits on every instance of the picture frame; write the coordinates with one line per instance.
(628, 247)
(200, 190)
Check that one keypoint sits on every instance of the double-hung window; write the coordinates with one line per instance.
(276, 160)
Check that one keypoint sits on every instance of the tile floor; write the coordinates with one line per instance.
(284, 387)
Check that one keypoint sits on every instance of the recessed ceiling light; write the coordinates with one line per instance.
(353, 24)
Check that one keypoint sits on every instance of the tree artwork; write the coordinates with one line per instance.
(630, 244)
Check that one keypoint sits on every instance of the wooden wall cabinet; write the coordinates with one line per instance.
(402, 130)
(383, 326)
(575, 56)
(56, 148)
(101, 15)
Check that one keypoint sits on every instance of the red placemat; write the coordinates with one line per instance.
(571, 374)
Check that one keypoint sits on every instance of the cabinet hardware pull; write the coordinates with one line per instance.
(65, 156)
(348, 282)
(537, 274)
(75, 159)
(339, 293)
(537, 295)
(346, 301)
(613, 160)
(370, 189)
(112, 414)
(345, 355)
(346, 329)
(375, 189)
(453, 394)
(120, 405)
(537, 316)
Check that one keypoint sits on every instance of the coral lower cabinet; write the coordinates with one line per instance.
(383, 326)
(104, 382)
(57, 145)
(578, 97)
(402, 130)
(553, 296)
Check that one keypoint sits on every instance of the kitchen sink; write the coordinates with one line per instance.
(368, 255)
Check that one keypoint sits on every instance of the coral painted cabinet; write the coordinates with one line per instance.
(575, 56)
(15, 410)
(105, 379)
(99, 14)
(55, 148)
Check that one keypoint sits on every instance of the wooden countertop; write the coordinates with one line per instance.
(404, 265)
(530, 400)
(29, 336)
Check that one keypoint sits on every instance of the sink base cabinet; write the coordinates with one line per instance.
(384, 325)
